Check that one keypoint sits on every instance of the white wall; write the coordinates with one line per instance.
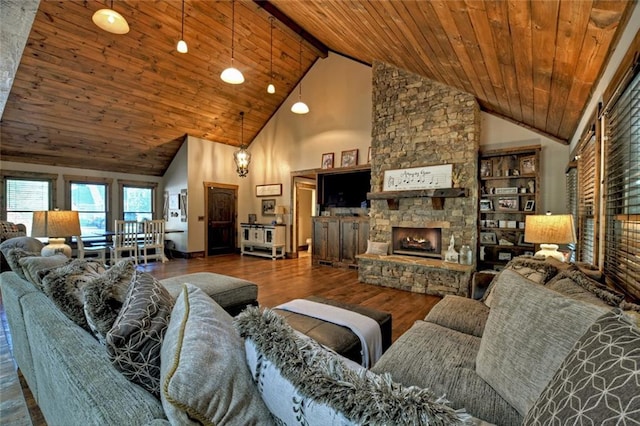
(497, 133)
(174, 180)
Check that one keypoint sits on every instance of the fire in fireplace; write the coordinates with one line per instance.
(425, 242)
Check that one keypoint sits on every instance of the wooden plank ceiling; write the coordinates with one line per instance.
(85, 98)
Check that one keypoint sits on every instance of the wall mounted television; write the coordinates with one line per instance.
(344, 189)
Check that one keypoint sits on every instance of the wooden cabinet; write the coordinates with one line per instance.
(509, 191)
(337, 240)
(263, 240)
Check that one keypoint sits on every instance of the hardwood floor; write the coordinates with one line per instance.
(278, 282)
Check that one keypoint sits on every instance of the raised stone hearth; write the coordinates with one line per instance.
(418, 122)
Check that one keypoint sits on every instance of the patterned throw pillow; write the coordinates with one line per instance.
(597, 382)
(381, 249)
(601, 291)
(34, 267)
(135, 341)
(64, 286)
(201, 338)
(104, 296)
(13, 256)
(303, 383)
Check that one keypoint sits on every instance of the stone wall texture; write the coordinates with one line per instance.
(418, 122)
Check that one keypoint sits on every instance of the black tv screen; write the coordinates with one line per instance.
(346, 189)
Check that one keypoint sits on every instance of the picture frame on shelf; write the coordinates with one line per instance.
(486, 167)
(269, 207)
(522, 243)
(270, 190)
(349, 158)
(486, 205)
(506, 191)
(488, 238)
(253, 218)
(508, 204)
(504, 255)
(327, 160)
(528, 165)
(530, 206)
(491, 223)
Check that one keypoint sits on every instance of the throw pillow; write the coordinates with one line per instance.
(201, 338)
(597, 382)
(530, 330)
(13, 256)
(373, 247)
(64, 286)
(601, 291)
(134, 341)
(34, 267)
(303, 383)
(25, 243)
(104, 296)
(535, 269)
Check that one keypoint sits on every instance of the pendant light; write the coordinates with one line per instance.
(110, 21)
(242, 157)
(232, 75)
(271, 88)
(182, 45)
(300, 107)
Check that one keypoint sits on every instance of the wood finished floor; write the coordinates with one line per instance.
(278, 281)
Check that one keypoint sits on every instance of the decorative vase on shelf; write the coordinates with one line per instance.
(451, 255)
(465, 255)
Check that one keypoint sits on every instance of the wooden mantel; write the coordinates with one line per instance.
(437, 196)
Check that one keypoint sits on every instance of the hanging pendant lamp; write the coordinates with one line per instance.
(182, 45)
(271, 88)
(242, 157)
(110, 21)
(300, 107)
(232, 75)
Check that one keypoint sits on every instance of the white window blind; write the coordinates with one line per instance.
(587, 205)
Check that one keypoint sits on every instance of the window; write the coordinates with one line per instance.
(622, 183)
(587, 206)
(24, 196)
(90, 197)
(138, 200)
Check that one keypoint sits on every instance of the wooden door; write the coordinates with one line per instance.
(221, 219)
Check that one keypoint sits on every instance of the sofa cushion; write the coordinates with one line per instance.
(104, 296)
(601, 291)
(64, 286)
(13, 256)
(25, 243)
(530, 330)
(597, 382)
(303, 383)
(443, 360)
(34, 267)
(201, 338)
(461, 314)
(536, 269)
(135, 340)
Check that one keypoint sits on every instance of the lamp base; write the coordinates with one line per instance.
(55, 246)
(550, 250)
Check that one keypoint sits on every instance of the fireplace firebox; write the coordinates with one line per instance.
(424, 242)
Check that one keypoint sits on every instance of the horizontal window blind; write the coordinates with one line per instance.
(587, 205)
(572, 202)
(622, 183)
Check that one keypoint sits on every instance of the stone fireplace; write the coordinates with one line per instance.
(422, 242)
(418, 122)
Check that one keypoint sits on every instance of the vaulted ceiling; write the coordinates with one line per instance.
(86, 98)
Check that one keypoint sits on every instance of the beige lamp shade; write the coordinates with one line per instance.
(56, 225)
(549, 231)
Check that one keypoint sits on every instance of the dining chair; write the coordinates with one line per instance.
(152, 246)
(125, 240)
(83, 251)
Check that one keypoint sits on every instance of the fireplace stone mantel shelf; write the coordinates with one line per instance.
(437, 196)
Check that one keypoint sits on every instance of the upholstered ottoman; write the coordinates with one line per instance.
(341, 339)
(233, 294)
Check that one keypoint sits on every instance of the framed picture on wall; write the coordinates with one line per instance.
(269, 190)
(349, 158)
(269, 207)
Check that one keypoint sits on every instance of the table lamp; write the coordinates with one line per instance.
(56, 225)
(550, 230)
(279, 214)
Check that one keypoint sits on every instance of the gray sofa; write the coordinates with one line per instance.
(493, 361)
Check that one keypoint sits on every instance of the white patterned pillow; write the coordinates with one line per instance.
(303, 383)
(373, 247)
(597, 382)
(134, 342)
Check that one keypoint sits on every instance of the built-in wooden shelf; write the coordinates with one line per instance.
(437, 196)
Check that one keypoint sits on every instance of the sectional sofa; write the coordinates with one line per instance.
(502, 360)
